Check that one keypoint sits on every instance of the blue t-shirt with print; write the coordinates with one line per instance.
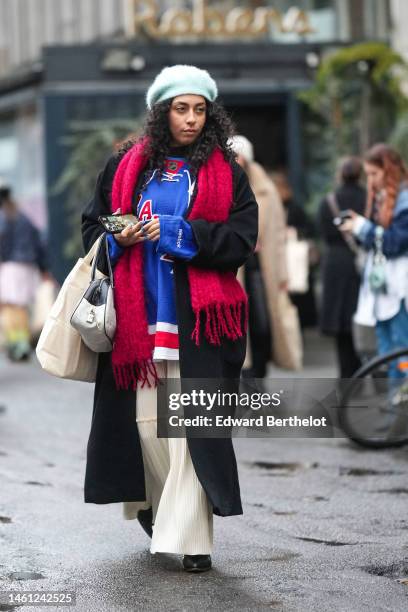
(166, 198)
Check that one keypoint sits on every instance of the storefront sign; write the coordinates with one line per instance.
(206, 22)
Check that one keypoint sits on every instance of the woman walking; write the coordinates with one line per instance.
(181, 313)
(300, 227)
(383, 232)
(340, 277)
(22, 260)
(265, 275)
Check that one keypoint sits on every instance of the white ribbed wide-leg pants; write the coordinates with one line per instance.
(182, 513)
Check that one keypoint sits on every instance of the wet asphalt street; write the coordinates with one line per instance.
(325, 524)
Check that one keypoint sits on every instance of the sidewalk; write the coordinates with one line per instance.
(319, 358)
(324, 524)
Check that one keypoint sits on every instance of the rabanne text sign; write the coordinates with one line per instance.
(205, 21)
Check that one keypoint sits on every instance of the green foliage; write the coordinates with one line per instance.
(355, 101)
(374, 61)
(399, 136)
(90, 144)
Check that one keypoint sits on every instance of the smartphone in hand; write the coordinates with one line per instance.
(342, 217)
(114, 224)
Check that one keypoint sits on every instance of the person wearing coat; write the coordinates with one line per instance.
(23, 258)
(340, 277)
(265, 274)
(300, 225)
(181, 313)
(383, 231)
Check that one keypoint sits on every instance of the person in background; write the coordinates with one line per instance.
(340, 277)
(22, 257)
(297, 219)
(383, 231)
(265, 272)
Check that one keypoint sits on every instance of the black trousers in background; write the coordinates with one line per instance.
(260, 335)
(347, 357)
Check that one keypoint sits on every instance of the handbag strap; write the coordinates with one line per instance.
(333, 205)
(103, 243)
(94, 248)
(335, 210)
(378, 244)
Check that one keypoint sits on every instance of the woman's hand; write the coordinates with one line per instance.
(138, 233)
(132, 234)
(151, 230)
(348, 224)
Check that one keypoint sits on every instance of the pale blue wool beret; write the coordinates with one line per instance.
(178, 80)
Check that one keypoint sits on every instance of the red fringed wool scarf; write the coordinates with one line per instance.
(215, 296)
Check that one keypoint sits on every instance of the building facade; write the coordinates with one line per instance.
(399, 21)
(68, 60)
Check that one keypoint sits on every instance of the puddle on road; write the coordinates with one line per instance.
(5, 519)
(276, 512)
(37, 483)
(284, 556)
(326, 542)
(357, 471)
(394, 491)
(282, 469)
(26, 576)
(397, 571)
(316, 498)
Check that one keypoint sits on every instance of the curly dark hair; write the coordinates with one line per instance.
(218, 129)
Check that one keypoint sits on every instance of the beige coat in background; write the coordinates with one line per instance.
(271, 250)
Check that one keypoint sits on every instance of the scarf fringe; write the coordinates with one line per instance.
(128, 375)
(221, 320)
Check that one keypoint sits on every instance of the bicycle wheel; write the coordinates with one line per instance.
(373, 410)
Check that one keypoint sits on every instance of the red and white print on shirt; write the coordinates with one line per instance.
(145, 211)
(166, 257)
(166, 340)
(172, 169)
(173, 165)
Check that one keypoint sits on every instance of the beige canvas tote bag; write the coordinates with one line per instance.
(287, 334)
(60, 349)
(297, 261)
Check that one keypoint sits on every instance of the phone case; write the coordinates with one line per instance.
(114, 224)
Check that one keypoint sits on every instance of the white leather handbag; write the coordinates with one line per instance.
(95, 316)
(60, 349)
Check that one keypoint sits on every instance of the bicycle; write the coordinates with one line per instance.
(373, 410)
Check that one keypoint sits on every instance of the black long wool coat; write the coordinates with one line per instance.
(114, 471)
(341, 282)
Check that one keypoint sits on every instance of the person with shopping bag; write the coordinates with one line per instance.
(383, 232)
(180, 312)
(340, 274)
(274, 329)
(23, 262)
